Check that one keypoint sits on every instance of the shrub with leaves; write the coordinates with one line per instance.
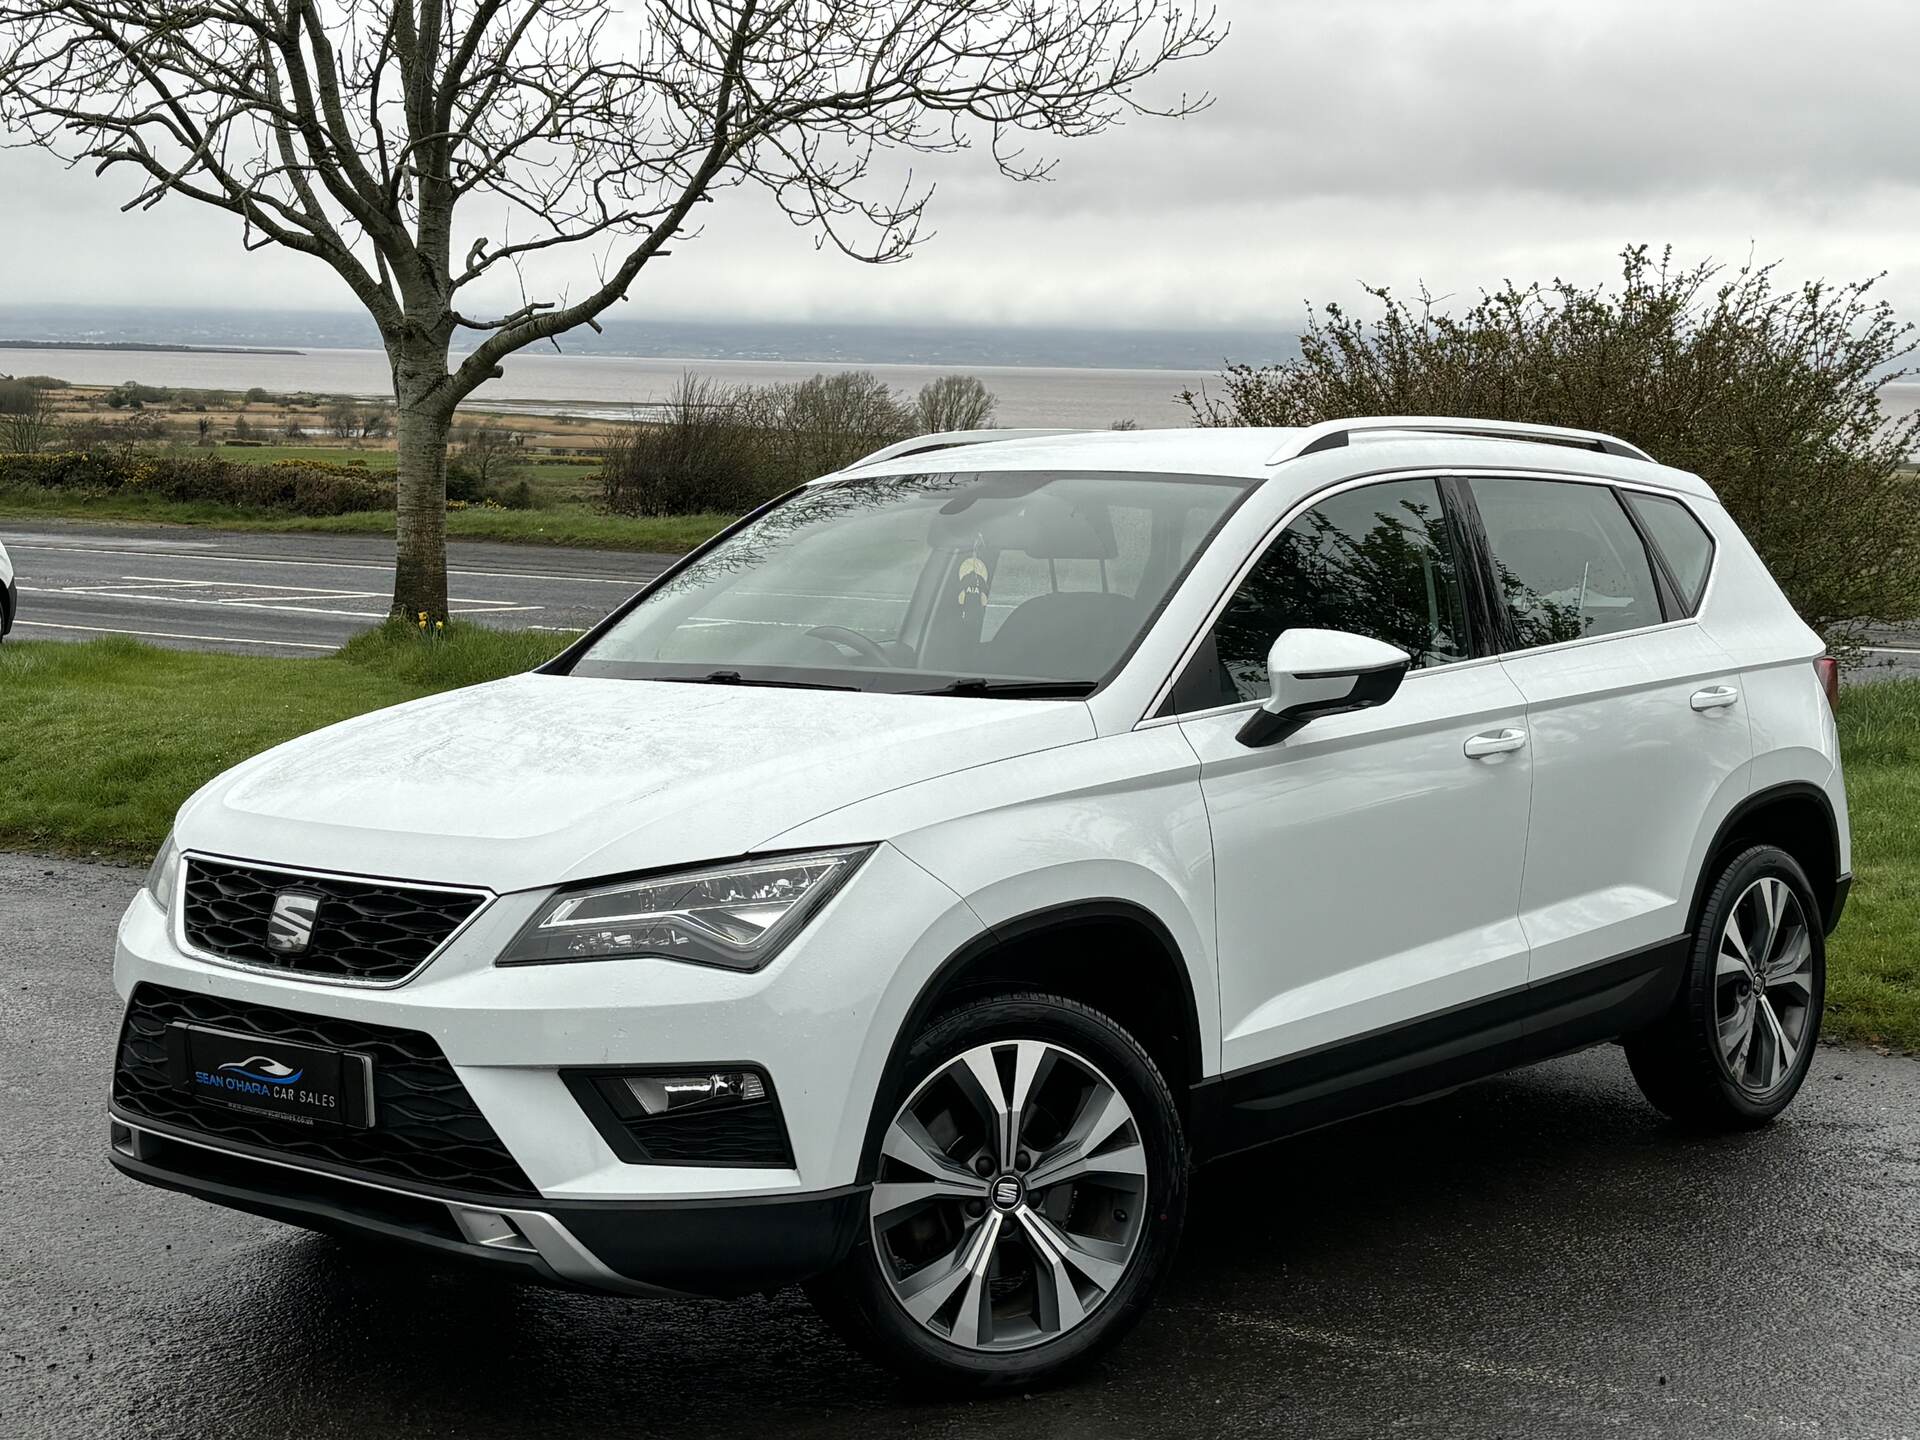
(1769, 392)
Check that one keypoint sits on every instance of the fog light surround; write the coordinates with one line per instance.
(722, 1115)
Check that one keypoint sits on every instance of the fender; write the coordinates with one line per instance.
(927, 1002)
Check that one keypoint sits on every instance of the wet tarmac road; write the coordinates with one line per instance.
(287, 595)
(1538, 1256)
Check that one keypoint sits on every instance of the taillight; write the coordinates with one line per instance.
(1828, 669)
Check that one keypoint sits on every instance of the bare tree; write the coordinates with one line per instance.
(26, 416)
(343, 418)
(487, 449)
(954, 402)
(354, 131)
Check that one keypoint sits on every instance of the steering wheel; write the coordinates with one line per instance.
(852, 640)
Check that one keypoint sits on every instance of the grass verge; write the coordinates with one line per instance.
(104, 740)
(1873, 961)
(564, 524)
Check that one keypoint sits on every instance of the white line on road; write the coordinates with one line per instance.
(283, 604)
(1888, 650)
(22, 547)
(170, 635)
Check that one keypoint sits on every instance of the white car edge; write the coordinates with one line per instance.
(9, 594)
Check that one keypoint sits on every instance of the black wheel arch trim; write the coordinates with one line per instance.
(927, 1003)
(1841, 881)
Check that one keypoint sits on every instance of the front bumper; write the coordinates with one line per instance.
(718, 1248)
(820, 1021)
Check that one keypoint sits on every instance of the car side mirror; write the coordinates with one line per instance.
(1316, 673)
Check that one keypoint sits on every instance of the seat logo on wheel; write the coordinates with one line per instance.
(1007, 1191)
(290, 927)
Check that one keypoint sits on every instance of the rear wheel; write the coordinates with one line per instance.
(1739, 1041)
(1028, 1198)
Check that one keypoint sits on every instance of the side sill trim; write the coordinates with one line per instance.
(1431, 1053)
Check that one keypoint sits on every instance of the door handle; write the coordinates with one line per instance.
(1494, 742)
(1714, 697)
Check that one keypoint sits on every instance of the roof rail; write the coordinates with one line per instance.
(948, 440)
(1332, 434)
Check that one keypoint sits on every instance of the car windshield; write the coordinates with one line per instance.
(1023, 583)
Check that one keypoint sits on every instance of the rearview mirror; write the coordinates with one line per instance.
(1316, 673)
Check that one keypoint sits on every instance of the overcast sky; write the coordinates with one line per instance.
(1455, 141)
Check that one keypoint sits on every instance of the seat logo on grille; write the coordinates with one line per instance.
(290, 927)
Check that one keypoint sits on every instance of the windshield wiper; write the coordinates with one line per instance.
(734, 677)
(1016, 689)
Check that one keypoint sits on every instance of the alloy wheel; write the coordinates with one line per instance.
(1011, 1196)
(1763, 986)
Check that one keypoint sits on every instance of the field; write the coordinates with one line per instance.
(555, 456)
(106, 739)
(559, 523)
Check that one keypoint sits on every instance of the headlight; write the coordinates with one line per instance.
(164, 874)
(735, 915)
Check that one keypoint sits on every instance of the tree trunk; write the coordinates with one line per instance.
(423, 421)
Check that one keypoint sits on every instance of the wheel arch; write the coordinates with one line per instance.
(1021, 953)
(1798, 817)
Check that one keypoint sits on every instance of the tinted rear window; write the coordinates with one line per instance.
(1683, 542)
(1568, 560)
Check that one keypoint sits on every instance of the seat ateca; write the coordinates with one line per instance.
(906, 890)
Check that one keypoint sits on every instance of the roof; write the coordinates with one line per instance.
(1270, 454)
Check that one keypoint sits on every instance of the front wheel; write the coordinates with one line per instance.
(1732, 1052)
(1028, 1198)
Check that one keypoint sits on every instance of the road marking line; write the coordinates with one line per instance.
(282, 604)
(23, 547)
(170, 635)
(1889, 650)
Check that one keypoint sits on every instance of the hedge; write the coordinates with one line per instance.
(291, 487)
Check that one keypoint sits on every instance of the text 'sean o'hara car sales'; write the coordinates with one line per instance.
(901, 894)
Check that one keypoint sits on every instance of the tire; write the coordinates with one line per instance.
(1721, 1059)
(969, 1251)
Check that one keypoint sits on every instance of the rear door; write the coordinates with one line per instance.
(1634, 717)
(1368, 868)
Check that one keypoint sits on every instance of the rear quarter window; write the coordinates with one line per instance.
(1683, 542)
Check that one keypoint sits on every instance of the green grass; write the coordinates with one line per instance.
(104, 740)
(563, 524)
(1873, 969)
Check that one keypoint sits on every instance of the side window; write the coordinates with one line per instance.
(1376, 561)
(1567, 559)
(1683, 542)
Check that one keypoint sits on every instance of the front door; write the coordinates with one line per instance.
(1368, 868)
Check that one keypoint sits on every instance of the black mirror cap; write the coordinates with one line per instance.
(1370, 688)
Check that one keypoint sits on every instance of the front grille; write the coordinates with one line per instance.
(372, 931)
(426, 1128)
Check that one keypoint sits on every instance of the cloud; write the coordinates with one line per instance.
(1455, 141)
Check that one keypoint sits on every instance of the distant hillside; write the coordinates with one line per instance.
(124, 327)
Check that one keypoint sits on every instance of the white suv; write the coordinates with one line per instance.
(902, 893)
